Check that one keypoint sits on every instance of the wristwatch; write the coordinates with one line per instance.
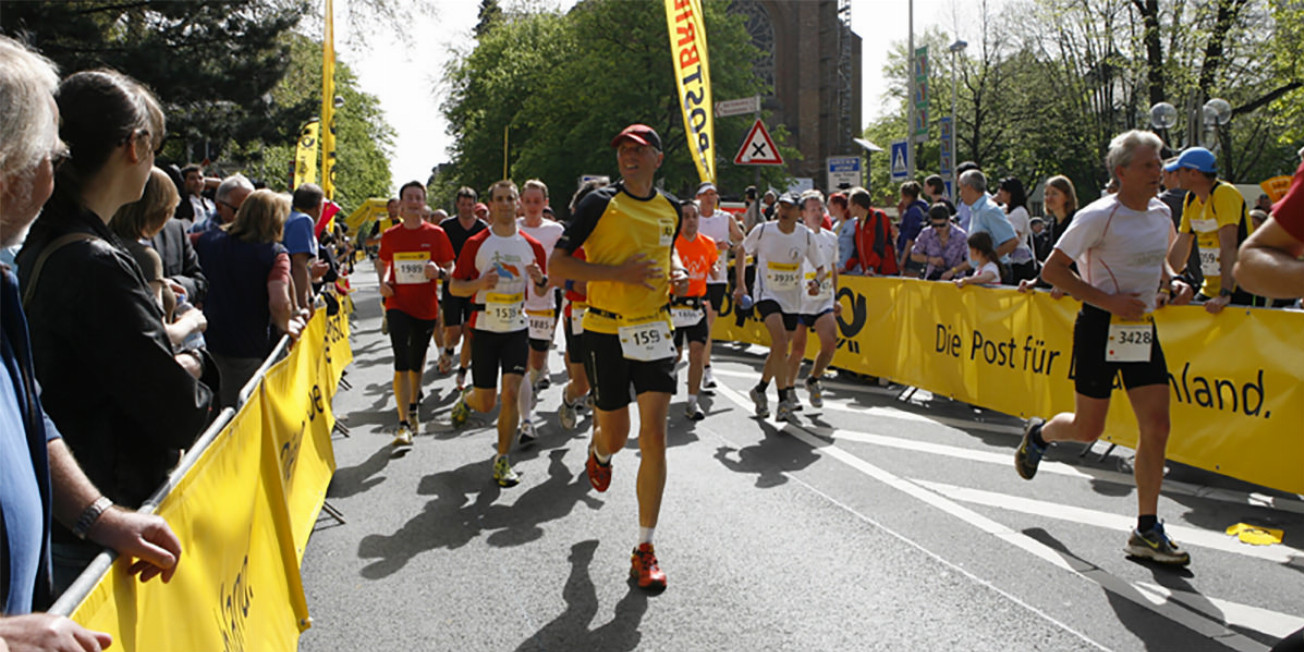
(1224, 292)
(90, 515)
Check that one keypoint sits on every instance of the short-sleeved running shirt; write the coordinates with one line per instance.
(407, 251)
(699, 256)
(716, 227)
(613, 226)
(779, 257)
(457, 234)
(1118, 249)
(502, 309)
(827, 241)
(547, 233)
(1225, 207)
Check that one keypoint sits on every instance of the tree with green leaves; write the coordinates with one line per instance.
(556, 87)
(211, 64)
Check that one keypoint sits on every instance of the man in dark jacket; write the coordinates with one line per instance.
(180, 263)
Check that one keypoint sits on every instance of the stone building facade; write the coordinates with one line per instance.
(811, 60)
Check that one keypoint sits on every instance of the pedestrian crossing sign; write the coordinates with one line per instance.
(900, 154)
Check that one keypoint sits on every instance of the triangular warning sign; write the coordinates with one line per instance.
(758, 148)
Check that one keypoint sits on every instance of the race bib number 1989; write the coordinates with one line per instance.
(410, 267)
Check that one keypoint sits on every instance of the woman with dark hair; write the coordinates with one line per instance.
(1014, 198)
(123, 399)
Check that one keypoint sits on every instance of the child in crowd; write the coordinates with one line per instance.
(989, 269)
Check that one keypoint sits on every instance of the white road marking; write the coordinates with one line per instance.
(1167, 608)
(1187, 536)
(1273, 623)
(1058, 468)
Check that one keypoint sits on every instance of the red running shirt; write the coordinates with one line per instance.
(405, 252)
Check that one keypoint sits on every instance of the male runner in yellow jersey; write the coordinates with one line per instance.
(628, 233)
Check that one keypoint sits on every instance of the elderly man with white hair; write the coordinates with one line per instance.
(1119, 243)
(230, 196)
(39, 479)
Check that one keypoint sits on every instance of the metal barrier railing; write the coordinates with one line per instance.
(103, 562)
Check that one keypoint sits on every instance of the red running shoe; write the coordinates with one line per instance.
(644, 568)
(599, 473)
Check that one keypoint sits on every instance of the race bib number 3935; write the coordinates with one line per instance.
(781, 276)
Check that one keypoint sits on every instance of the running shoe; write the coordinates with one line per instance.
(568, 414)
(1156, 546)
(461, 411)
(785, 410)
(708, 379)
(599, 473)
(816, 391)
(402, 438)
(762, 405)
(461, 378)
(525, 434)
(543, 383)
(644, 568)
(414, 416)
(504, 473)
(1028, 455)
(694, 412)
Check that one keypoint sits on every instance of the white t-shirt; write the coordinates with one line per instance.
(1118, 249)
(511, 256)
(716, 226)
(1023, 231)
(778, 263)
(547, 233)
(990, 266)
(827, 241)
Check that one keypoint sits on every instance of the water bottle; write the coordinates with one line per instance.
(746, 303)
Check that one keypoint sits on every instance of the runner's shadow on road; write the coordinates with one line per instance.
(1157, 631)
(466, 506)
(770, 459)
(570, 629)
(552, 500)
(463, 496)
(353, 480)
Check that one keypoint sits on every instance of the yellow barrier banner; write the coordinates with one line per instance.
(1236, 401)
(237, 584)
(297, 418)
(337, 352)
(692, 67)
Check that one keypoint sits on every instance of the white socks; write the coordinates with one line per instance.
(645, 535)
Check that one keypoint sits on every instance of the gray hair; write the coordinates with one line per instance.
(29, 129)
(974, 179)
(812, 194)
(1124, 146)
(230, 184)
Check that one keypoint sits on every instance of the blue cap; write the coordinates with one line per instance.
(1195, 158)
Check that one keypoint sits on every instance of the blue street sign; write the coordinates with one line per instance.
(900, 163)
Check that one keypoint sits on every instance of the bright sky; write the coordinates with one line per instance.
(403, 78)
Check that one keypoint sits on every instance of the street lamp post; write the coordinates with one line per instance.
(956, 49)
(1202, 126)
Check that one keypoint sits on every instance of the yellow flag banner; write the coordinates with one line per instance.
(237, 585)
(337, 353)
(693, 77)
(1237, 403)
(328, 104)
(305, 155)
(297, 417)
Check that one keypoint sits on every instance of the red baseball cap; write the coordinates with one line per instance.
(639, 133)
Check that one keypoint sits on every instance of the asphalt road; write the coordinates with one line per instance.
(877, 522)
